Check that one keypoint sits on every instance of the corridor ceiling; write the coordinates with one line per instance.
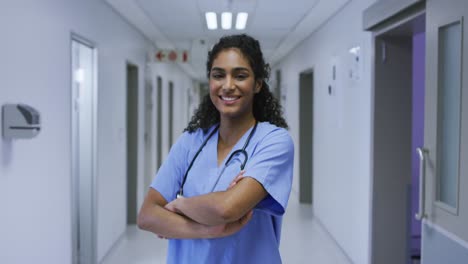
(279, 25)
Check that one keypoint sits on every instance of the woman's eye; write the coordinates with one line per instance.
(216, 76)
(241, 77)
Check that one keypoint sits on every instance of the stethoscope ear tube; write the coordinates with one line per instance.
(242, 151)
(181, 191)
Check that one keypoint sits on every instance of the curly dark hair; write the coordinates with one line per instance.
(265, 106)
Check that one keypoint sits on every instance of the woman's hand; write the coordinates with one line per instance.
(228, 228)
(215, 231)
(172, 206)
(221, 207)
(237, 179)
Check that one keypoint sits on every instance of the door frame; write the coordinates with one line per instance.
(404, 13)
(91, 206)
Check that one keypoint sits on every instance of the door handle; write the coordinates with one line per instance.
(422, 182)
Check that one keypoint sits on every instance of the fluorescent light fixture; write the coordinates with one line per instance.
(226, 20)
(211, 20)
(241, 20)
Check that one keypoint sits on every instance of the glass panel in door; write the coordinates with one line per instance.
(449, 97)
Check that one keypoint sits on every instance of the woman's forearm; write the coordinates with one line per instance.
(221, 207)
(208, 209)
(168, 224)
(165, 223)
(158, 216)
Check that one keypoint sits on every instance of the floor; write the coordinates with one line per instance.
(303, 241)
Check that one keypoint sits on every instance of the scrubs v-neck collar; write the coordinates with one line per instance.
(213, 146)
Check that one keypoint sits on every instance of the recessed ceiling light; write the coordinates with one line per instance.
(211, 20)
(226, 20)
(241, 20)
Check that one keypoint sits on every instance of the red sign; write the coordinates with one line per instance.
(171, 56)
(160, 55)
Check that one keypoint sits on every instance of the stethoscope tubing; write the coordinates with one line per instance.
(241, 151)
(194, 158)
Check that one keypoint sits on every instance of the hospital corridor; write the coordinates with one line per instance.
(234, 131)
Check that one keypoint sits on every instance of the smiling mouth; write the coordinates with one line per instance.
(229, 98)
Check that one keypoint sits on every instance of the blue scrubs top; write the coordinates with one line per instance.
(270, 162)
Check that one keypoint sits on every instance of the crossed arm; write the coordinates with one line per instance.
(211, 215)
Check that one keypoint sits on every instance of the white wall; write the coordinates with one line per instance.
(182, 83)
(342, 126)
(35, 175)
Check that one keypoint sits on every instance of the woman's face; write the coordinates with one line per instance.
(232, 84)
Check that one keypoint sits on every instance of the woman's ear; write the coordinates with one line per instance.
(258, 86)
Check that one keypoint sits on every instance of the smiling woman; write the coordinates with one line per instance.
(265, 106)
(233, 86)
(212, 208)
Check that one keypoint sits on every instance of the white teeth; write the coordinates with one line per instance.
(228, 98)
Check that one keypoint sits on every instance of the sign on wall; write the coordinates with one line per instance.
(164, 55)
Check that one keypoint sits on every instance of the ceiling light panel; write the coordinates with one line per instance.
(211, 20)
(226, 20)
(241, 20)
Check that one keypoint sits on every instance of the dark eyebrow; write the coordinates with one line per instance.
(217, 69)
(237, 69)
(241, 69)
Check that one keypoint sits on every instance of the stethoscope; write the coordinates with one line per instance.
(239, 151)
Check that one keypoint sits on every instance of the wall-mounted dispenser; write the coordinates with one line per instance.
(20, 121)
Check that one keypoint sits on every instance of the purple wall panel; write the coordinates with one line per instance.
(418, 129)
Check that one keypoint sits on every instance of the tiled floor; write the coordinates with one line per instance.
(303, 241)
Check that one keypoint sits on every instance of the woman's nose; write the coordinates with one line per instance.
(229, 84)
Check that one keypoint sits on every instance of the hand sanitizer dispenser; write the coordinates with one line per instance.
(20, 121)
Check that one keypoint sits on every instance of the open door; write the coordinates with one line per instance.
(444, 156)
(398, 109)
(84, 150)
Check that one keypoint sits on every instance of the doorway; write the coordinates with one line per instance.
(277, 90)
(306, 130)
(171, 116)
(159, 121)
(398, 128)
(148, 138)
(84, 135)
(443, 172)
(132, 142)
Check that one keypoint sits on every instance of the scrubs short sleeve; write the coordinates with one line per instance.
(169, 176)
(271, 164)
